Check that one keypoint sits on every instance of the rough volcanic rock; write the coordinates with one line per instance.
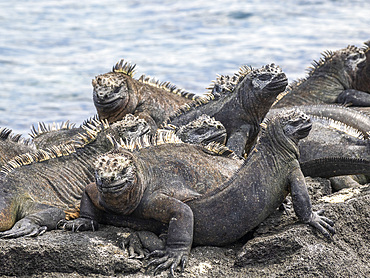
(280, 247)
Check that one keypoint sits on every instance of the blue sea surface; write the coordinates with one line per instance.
(51, 50)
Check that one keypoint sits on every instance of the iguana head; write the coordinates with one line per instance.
(347, 65)
(96, 133)
(129, 128)
(260, 87)
(362, 77)
(113, 93)
(203, 130)
(117, 181)
(296, 125)
(281, 132)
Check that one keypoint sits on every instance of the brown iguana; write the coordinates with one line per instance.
(191, 189)
(239, 102)
(36, 188)
(118, 93)
(341, 76)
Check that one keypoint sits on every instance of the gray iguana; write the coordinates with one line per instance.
(118, 93)
(204, 199)
(36, 188)
(341, 76)
(239, 102)
(338, 132)
(73, 164)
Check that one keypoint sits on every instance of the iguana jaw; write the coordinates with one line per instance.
(218, 137)
(108, 106)
(278, 84)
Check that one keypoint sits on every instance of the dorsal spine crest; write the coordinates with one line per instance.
(38, 156)
(44, 128)
(129, 69)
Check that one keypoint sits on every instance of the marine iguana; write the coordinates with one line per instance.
(239, 102)
(341, 76)
(36, 188)
(200, 131)
(12, 145)
(178, 185)
(337, 131)
(47, 135)
(118, 93)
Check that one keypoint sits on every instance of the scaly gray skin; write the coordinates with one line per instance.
(12, 145)
(239, 102)
(200, 206)
(117, 93)
(342, 76)
(36, 188)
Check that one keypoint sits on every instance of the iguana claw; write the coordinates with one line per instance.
(79, 224)
(140, 243)
(24, 227)
(170, 258)
(322, 223)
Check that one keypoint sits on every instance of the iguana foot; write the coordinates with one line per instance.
(140, 243)
(323, 224)
(354, 97)
(79, 224)
(24, 227)
(286, 206)
(169, 258)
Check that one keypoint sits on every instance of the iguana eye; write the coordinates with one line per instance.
(264, 77)
(295, 122)
(133, 128)
(116, 90)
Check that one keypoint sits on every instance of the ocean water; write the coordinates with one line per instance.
(51, 50)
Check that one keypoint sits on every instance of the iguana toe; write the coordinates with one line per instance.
(23, 228)
(323, 224)
(170, 258)
(140, 243)
(79, 224)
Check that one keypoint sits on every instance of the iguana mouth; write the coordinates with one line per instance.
(278, 85)
(111, 187)
(218, 138)
(305, 130)
(105, 101)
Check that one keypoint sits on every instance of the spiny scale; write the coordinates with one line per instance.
(128, 69)
(43, 128)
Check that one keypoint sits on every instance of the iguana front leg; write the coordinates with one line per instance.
(89, 214)
(354, 97)
(237, 140)
(167, 209)
(36, 223)
(303, 208)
